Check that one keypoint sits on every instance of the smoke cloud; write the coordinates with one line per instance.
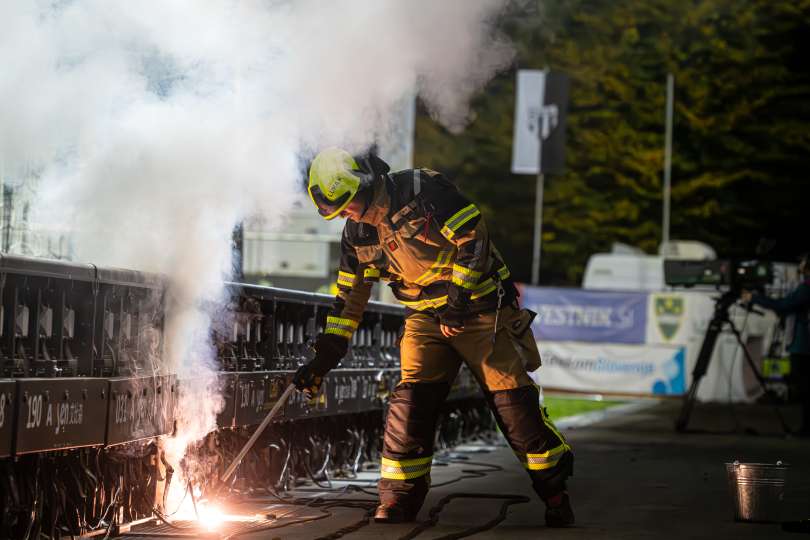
(156, 126)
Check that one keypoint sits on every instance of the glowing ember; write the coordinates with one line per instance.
(211, 517)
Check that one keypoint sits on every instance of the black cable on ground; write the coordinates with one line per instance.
(363, 504)
(162, 517)
(469, 473)
(433, 515)
(344, 489)
(370, 506)
(324, 504)
(254, 530)
(312, 475)
(353, 527)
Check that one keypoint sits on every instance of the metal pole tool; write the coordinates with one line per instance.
(256, 434)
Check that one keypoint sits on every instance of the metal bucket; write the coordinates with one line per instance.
(757, 490)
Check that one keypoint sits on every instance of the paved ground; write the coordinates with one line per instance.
(635, 478)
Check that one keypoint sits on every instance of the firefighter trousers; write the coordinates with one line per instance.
(430, 363)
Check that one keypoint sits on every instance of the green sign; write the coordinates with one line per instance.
(669, 315)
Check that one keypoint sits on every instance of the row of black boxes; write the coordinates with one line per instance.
(82, 357)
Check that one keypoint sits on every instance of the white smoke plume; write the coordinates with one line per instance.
(158, 125)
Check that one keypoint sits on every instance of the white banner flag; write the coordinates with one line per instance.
(531, 85)
(607, 368)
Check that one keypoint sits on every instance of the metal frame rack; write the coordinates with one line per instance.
(86, 396)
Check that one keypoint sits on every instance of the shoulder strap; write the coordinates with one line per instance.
(396, 218)
(391, 187)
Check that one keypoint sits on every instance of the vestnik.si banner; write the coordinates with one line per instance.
(587, 316)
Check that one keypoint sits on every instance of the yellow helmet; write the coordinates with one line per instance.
(334, 180)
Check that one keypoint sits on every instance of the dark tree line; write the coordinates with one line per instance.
(741, 137)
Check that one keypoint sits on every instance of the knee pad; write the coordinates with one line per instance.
(520, 418)
(411, 421)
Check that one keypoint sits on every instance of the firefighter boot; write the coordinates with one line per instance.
(558, 511)
(558, 507)
(392, 513)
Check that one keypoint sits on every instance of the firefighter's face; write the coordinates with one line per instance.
(354, 210)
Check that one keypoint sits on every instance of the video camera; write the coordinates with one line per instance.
(736, 275)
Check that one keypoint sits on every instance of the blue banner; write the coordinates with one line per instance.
(587, 316)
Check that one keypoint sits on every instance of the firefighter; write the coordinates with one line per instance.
(415, 230)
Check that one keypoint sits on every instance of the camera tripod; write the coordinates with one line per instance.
(719, 319)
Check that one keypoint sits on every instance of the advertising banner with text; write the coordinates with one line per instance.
(598, 368)
(587, 316)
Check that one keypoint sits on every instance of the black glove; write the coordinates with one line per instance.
(329, 349)
(453, 317)
(456, 311)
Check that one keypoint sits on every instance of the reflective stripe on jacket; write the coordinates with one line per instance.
(425, 238)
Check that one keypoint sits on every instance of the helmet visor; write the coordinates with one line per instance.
(326, 208)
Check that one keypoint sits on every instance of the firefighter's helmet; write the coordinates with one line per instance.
(335, 178)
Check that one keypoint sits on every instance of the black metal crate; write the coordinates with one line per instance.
(256, 393)
(128, 323)
(241, 335)
(59, 413)
(140, 408)
(46, 318)
(8, 390)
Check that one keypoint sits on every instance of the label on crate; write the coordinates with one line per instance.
(59, 413)
(345, 391)
(140, 408)
(256, 393)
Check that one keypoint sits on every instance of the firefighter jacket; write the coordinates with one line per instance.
(429, 242)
